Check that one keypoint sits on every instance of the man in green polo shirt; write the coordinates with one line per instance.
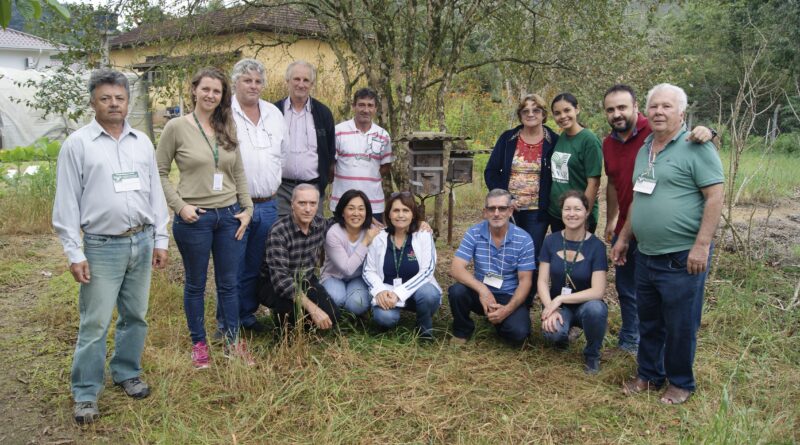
(677, 202)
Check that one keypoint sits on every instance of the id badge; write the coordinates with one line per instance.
(645, 185)
(397, 282)
(493, 279)
(217, 182)
(566, 290)
(126, 182)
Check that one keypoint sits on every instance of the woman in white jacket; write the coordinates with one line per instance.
(400, 265)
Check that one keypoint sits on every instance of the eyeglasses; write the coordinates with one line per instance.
(492, 209)
(532, 112)
(404, 194)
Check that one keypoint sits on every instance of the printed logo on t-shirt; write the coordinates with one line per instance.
(411, 256)
(561, 166)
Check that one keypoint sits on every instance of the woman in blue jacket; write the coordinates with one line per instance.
(520, 163)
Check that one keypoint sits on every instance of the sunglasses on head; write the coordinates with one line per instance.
(404, 194)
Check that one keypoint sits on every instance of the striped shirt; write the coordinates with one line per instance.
(359, 157)
(292, 254)
(514, 255)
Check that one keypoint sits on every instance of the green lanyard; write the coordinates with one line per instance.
(214, 149)
(567, 266)
(398, 259)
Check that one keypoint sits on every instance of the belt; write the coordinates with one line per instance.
(132, 231)
(300, 181)
(260, 200)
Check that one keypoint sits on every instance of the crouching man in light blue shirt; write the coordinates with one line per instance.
(502, 254)
(108, 190)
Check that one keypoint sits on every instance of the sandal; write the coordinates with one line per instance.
(637, 385)
(675, 396)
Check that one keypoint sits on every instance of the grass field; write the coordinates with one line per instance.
(358, 386)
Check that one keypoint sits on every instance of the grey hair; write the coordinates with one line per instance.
(245, 66)
(498, 193)
(108, 77)
(302, 187)
(683, 101)
(301, 63)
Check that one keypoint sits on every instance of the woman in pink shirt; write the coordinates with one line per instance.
(346, 246)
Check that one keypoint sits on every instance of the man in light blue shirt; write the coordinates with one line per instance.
(108, 188)
(502, 254)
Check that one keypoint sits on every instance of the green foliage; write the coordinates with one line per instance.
(27, 200)
(787, 143)
(29, 9)
(62, 93)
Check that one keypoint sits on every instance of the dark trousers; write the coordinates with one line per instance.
(284, 309)
(670, 303)
(463, 300)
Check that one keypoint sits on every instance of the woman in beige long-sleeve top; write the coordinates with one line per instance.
(212, 207)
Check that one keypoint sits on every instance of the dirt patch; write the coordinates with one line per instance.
(31, 414)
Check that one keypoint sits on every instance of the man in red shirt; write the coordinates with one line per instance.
(629, 129)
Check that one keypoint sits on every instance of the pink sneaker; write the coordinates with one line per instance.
(239, 351)
(200, 358)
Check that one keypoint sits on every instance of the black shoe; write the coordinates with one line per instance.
(591, 366)
(256, 328)
(85, 412)
(135, 388)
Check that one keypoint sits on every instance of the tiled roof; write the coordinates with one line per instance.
(10, 38)
(279, 19)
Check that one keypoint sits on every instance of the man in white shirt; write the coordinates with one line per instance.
(262, 134)
(108, 187)
(363, 153)
(309, 155)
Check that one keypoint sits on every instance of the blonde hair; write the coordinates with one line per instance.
(537, 100)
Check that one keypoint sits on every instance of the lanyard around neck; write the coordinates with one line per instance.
(567, 266)
(398, 256)
(214, 148)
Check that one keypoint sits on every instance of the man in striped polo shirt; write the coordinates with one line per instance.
(363, 153)
(502, 254)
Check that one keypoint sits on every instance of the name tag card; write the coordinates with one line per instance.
(217, 182)
(494, 280)
(645, 185)
(566, 290)
(397, 282)
(126, 182)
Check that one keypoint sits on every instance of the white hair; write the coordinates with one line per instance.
(296, 63)
(245, 66)
(683, 101)
(303, 187)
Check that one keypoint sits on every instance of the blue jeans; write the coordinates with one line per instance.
(626, 290)
(670, 302)
(463, 300)
(255, 241)
(214, 232)
(592, 316)
(120, 277)
(425, 301)
(352, 294)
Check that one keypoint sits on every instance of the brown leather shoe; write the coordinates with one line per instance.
(638, 385)
(675, 396)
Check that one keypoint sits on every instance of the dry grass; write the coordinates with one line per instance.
(358, 386)
(363, 387)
